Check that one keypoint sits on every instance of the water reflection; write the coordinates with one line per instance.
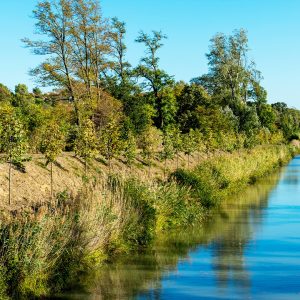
(211, 255)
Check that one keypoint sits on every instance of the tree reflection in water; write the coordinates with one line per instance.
(226, 233)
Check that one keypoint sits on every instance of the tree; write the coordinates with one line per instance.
(54, 21)
(75, 46)
(168, 147)
(120, 83)
(169, 107)
(13, 140)
(22, 96)
(177, 143)
(199, 141)
(149, 142)
(90, 43)
(232, 79)
(130, 147)
(189, 144)
(86, 142)
(189, 99)
(52, 143)
(266, 116)
(154, 78)
(5, 93)
(111, 143)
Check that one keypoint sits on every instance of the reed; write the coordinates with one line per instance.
(43, 249)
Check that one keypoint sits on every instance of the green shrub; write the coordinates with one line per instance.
(203, 188)
(140, 227)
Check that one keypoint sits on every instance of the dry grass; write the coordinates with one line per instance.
(33, 186)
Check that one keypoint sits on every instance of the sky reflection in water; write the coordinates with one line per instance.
(248, 249)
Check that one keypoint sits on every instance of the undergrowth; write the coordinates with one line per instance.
(46, 248)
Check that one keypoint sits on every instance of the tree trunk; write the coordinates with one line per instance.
(109, 165)
(85, 166)
(149, 166)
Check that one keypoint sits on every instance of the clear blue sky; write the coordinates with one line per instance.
(273, 28)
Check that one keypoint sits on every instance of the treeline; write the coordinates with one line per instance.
(102, 105)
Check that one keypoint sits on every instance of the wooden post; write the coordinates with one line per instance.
(9, 182)
(51, 171)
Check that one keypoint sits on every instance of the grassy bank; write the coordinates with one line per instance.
(47, 246)
(224, 175)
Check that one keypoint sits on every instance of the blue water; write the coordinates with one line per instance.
(248, 249)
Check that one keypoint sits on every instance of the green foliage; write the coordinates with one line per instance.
(190, 142)
(130, 147)
(169, 107)
(139, 231)
(21, 96)
(154, 78)
(111, 143)
(176, 139)
(5, 93)
(203, 188)
(219, 177)
(168, 150)
(86, 142)
(13, 138)
(175, 208)
(52, 140)
(149, 142)
(266, 116)
(190, 98)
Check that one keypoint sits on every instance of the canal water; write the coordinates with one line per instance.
(249, 248)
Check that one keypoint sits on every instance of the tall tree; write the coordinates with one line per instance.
(120, 83)
(54, 19)
(90, 43)
(75, 44)
(232, 78)
(154, 78)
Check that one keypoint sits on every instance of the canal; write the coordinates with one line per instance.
(248, 248)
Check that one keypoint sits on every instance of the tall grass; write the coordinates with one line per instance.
(46, 248)
(223, 175)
